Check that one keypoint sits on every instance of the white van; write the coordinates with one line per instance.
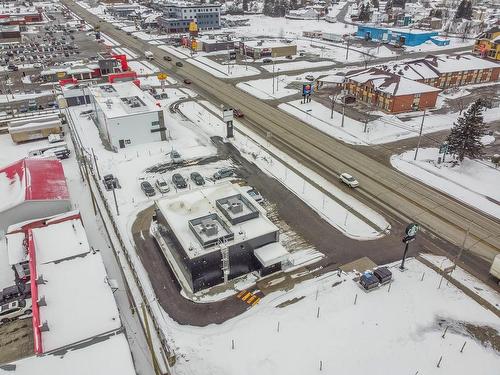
(149, 55)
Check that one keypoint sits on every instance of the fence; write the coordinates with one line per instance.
(85, 157)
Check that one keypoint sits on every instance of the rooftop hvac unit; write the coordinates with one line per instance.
(235, 206)
(109, 102)
(209, 227)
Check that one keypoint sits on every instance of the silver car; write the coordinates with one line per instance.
(14, 309)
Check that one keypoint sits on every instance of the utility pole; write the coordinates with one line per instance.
(420, 135)
(273, 77)
(343, 112)
(333, 105)
(347, 51)
(114, 197)
(149, 340)
(95, 162)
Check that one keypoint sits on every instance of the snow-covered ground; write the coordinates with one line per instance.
(260, 25)
(296, 65)
(223, 70)
(317, 327)
(466, 279)
(143, 67)
(473, 182)
(263, 88)
(431, 47)
(387, 128)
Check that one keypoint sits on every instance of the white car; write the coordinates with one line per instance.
(350, 181)
(162, 185)
(254, 193)
(175, 157)
(14, 309)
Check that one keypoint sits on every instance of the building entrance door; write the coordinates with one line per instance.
(122, 143)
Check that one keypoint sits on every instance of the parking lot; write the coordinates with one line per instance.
(63, 42)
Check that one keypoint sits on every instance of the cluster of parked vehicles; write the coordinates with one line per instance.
(38, 53)
(178, 181)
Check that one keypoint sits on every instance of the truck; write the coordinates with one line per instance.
(149, 55)
(495, 267)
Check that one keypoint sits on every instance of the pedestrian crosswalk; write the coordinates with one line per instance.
(248, 297)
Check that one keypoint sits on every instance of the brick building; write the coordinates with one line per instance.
(445, 71)
(390, 92)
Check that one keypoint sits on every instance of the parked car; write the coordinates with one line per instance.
(224, 172)
(254, 193)
(187, 81)
(179, 181)
(110, 182)
(289, 57)
(197, 178)
(368, 281)
(179, 64)
(167, 58)
(267, 61)
(13, 310)
(32, 105)
(11, 292)
(383, 275)
(162, 185)
(54, 138)
(309, 77)
(148, 189)
(350, 181)
(237, 113)
(175, 156)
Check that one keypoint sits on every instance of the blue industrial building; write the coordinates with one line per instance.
(401, 37)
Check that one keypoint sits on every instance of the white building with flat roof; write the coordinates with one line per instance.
(126, 115)
(216, 233)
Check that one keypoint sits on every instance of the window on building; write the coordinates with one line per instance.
(155, 123)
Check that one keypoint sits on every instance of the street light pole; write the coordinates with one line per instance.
(419, 136)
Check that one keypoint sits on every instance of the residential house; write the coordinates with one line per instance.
(488, 44)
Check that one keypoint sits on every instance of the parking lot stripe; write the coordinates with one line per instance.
(240, 294)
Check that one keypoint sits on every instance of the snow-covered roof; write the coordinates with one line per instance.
(459, 63)
(32, 180)
(389, 83)
(123, 99)
(271, 254)
(111, 355)
(261, 44)
(195, 204)
(78, 301)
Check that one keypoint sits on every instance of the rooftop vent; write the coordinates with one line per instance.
(209, 227)
(235, 205)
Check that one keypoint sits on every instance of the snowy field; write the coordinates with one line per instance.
(260, 25)
(317, 327)
(387, 128)
(143, 67)
(473, 182)
(263, 88)
(223, 70)
(295, 65)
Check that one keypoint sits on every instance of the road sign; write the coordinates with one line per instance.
(443, 149)
(162, 76)
(227, 114)
(306, 89)
(411, 230)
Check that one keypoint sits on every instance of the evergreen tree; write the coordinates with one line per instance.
(245, 5)
(364, 12)
(464, 10)
(268, 7)
(465, 137)
(375, 4)
(388, 6)
(468, 10)
(294, 4)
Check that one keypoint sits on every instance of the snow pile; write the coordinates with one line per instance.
(263, 88)
(319, 321)
(474, 182)
(11, 191)
(221, 70)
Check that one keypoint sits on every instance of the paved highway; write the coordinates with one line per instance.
(406, 198)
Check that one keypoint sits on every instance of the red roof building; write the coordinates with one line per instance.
(30, 189)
